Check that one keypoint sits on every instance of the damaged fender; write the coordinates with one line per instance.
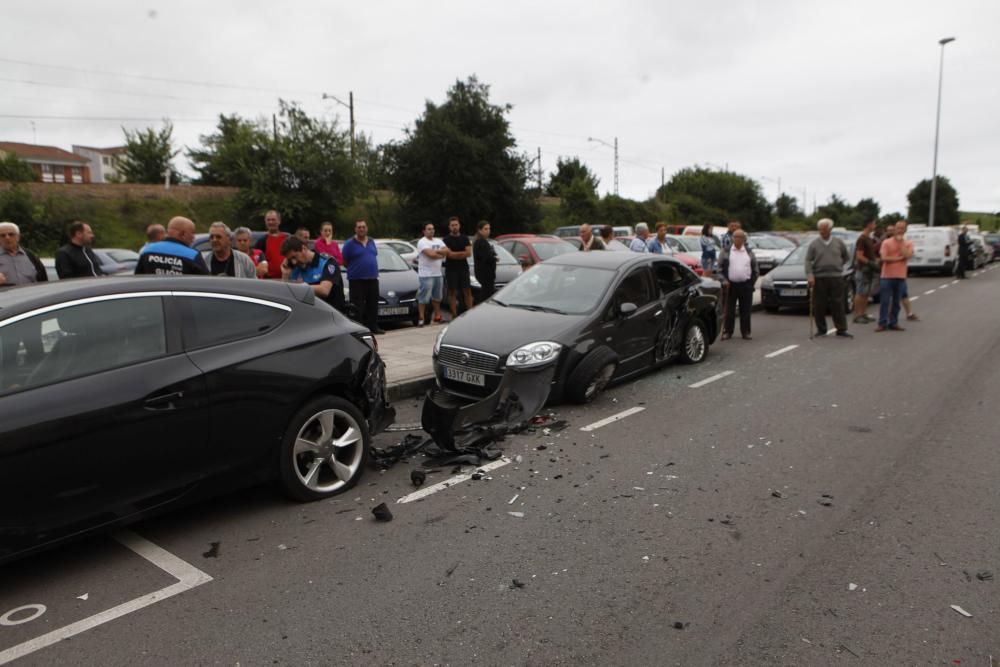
(519, 397)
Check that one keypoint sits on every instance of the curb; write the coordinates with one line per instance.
(400, 391)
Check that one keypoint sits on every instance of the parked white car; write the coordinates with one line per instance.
(934, 249)
(770, 250)
(406, 250)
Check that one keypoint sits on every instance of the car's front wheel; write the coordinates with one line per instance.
(324, 450)
(695, 345)
(591, 375)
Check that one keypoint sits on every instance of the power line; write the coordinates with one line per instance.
(105, 118)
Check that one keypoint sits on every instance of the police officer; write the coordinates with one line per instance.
(174, 254)
(306, 266)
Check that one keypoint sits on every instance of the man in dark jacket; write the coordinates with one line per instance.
(484, 257)
(174, 254)
(738, 272)
(76, 259)
(964, 252)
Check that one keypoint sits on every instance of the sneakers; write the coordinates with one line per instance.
(913, 317)
(864, 319)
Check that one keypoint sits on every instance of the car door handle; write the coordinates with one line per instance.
(163, 401)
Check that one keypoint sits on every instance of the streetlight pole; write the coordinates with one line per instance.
(937, 132)
(615, 146)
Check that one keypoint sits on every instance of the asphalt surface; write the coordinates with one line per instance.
(826, 505)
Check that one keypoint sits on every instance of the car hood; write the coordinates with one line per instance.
(788, 272)
(500, 330)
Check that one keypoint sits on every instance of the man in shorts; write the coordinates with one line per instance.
(865, 267)
(432, 253)
(456, 267)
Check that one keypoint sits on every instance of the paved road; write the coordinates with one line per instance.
(743, 510)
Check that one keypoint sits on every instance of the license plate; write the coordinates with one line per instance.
(460, 375)
(794, 292)
(394, 311)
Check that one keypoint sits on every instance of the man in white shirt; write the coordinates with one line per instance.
(738, 271)
(431, 254)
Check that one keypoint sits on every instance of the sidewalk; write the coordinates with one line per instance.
(407, 355)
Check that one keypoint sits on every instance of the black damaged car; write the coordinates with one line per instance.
(567, 328)
(122, 398)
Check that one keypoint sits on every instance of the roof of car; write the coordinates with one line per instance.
(608, 260)
(531, 238)
(19, 299)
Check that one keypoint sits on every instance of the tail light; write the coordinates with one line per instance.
(947, 251)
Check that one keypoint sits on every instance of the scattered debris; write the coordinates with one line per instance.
(418, 477)
(282, 547)
(778, 494)
(805, 640)
(985, 575)
(852, 587)
(381, 512)
(516, 515)
(941, 561)
(451, 570)
(541, 448)
(213, 550)
(679, 625)
(844, 648)
(961, 611)
(478, 475)
(516, 496)
(824, 502)
(84, 597)
(516, 583)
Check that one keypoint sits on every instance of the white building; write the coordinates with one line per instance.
(103, 162)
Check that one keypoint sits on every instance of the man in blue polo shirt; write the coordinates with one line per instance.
(174, 254)
(361, 258)
(303, 265)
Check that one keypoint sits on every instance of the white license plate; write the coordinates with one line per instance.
(394, 311)
(794, 292)
(459, 375)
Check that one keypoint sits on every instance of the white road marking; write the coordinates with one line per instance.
(954, 282)
(187, 575)
(718, 376)
(451, 481)
(914, 298)
(612, 419)
(781, 351)
(945, 286)
(930, 291)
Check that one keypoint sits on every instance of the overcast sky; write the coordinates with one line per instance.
(829, 97)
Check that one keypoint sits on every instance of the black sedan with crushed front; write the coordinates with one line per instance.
(565, 329)
(122, 398)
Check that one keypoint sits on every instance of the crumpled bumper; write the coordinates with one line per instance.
(380, 413)
(519, 397)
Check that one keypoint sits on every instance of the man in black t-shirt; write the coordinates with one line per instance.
(456, 266)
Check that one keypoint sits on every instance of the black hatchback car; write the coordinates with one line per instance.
(575, 323)
(120, 398)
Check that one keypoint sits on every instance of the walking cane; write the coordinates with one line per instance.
(810, 289)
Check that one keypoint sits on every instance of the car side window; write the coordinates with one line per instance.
(80, 340)
(635, 288)
(213, 320)
(668, 277)
(520, 250)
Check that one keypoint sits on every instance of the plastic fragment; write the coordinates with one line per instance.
(961, 611)
(852, 587)
(516, 515)
(418, 477)
(381, 512)
(84, 597)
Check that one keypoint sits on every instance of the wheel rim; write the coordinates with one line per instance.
(600, 380)
(328, 451)
(694, 343)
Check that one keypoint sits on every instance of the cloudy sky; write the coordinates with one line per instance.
(827, 97)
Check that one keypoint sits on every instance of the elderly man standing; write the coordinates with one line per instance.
(588, 240)
(825, 260)
(174, 254)
(738, 271)
(223, 259)
(638, 244)
(17, 265)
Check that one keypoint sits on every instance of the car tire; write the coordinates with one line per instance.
(591, 375)
(694, 347)
(324, 450)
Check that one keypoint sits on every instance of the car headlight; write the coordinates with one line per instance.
(437, 343)
(534, 354)
(767, 283)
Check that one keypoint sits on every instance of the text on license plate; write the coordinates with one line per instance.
(397, 310)
(794, 292)
(464, 376)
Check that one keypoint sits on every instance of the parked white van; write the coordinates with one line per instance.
(934, 249)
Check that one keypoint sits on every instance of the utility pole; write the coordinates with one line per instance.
(662, 176)
(937, 130)
(539, 171)
(34, 133)
(350, 107)
(616, 166)
(274, 126)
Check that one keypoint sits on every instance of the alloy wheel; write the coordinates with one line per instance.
(600, 381)
(694, 344)
(328, 451)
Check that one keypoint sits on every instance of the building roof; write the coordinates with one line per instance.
(33, 153)
(113, 150)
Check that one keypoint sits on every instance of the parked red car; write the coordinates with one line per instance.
(530, 249)
(686, 260)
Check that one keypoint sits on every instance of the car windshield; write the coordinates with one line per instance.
(689, 243)
(573, 290)
(765, 242)
(504, 256)
(797, 256)
(549, 250)
(389, 260)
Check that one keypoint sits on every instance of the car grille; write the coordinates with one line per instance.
(473, 360)
(790, 283)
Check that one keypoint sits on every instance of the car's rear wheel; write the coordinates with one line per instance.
(324, 450)
(591, 375)
(695, 345)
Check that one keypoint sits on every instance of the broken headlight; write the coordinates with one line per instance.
(437, 343)
(534, 354)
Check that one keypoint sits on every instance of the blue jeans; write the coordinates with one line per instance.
(890, 298)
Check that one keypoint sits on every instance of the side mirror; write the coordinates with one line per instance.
(627, 309)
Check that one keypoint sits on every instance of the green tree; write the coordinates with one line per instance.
(786, 206)
(890, 218)
(460, 159)
(945, 205)
(738, 196)
(373, 162)
(567, 171)
(579, 202)
(148, 154)
(15, 170)
(867, 209)
(303, 170)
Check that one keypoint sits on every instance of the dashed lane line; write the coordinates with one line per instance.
(187, 575)
(930, 291)
(772, 355)
(612, 419)
(914, 298)
(717, 376)
(451, 481)
(954, 282)
(945, 286)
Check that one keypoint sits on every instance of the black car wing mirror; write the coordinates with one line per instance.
(627, 308)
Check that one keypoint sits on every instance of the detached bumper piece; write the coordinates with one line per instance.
(456, 423)
(380, 413)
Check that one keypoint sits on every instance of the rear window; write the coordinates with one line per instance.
(549, 250)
